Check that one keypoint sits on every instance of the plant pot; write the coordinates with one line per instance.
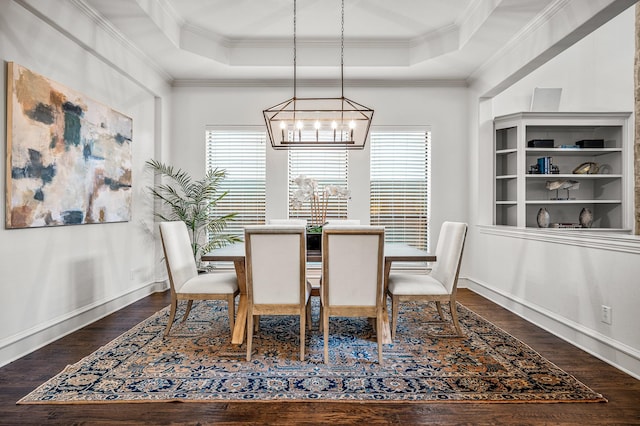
(314, 242)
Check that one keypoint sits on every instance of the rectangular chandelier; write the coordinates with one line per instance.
(318, 123)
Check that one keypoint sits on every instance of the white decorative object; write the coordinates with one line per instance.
(586, 218)
(543, 218)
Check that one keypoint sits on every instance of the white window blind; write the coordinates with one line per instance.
(400, 185)
(241, 152)
(327, 167)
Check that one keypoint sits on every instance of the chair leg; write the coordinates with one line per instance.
(439, 307)
(231, 307)
(303, 316)
(454, 316)
(379, 336)
(186, 312)
(394, 316)
(172, 316)
(249, 335)
(308, 314)
(325, 325)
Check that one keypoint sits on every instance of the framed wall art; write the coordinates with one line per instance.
(68, 156)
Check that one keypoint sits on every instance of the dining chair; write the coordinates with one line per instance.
(276, 264)
(185, 282)
(440, 284)
(352, 276)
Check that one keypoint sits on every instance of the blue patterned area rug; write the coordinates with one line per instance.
(197, 363)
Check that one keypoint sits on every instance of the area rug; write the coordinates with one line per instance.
(197, 363)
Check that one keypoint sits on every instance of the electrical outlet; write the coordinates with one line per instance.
(606, 314)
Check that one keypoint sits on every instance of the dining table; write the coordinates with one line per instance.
(393, 252)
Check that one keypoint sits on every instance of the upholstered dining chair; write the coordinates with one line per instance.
(440, 284)
(184, 280)
(352, 276)
(276, 264)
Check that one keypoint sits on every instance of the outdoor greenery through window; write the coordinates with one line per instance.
(241, 152)
(327, 167)
(399, 185)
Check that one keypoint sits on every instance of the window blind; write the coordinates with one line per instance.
(327, 167)
(399, 185)
(241, 152)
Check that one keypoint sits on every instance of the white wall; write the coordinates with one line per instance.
(57, 279)
(442, 108)
(561, 283)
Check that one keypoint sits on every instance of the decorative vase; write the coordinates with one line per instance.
(314, 241)
(543, 218)
(586, 218)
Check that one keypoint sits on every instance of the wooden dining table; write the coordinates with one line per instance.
(235, 253)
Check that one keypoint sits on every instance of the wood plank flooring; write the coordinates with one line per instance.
(20, 377)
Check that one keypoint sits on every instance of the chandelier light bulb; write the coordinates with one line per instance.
(334, 125)
(283, 125)
(299, 125)
(352, 124)
(316, 125)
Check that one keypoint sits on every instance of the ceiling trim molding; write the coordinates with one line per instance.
(117, 36)
(317, 83)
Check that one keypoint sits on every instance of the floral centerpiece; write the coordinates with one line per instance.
(308, 191)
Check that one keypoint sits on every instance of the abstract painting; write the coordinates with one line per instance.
(68, 156)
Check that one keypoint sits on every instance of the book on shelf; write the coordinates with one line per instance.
(565, 225)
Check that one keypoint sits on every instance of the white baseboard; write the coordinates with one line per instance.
(27, 341)
(613, 352)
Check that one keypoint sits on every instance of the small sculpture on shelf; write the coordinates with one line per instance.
(588, 168)
(556, 185)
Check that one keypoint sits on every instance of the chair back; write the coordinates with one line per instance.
(343, 222)
(352, 264)
(294, 222)
(276, 263)
(449, 254)
(181, 266)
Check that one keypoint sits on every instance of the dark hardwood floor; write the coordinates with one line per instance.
(20, 377)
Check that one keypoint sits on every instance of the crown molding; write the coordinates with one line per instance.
(317, 83)
(117, 36)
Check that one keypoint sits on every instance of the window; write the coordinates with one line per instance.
(241, 152)
(327, 167)
(399, 185)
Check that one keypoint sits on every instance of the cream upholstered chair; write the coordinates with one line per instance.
(184, 280)
(440, 284)
(352, 276)
(276, 264)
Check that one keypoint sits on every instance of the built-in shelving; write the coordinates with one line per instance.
(520, 191)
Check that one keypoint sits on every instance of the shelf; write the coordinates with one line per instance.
(537, 202)
(572, 151)
(572, 176)
(518, 195)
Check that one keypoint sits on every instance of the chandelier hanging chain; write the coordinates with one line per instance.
(294, 49)
(342, 52)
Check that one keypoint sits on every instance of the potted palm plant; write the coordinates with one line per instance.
(192, 201)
